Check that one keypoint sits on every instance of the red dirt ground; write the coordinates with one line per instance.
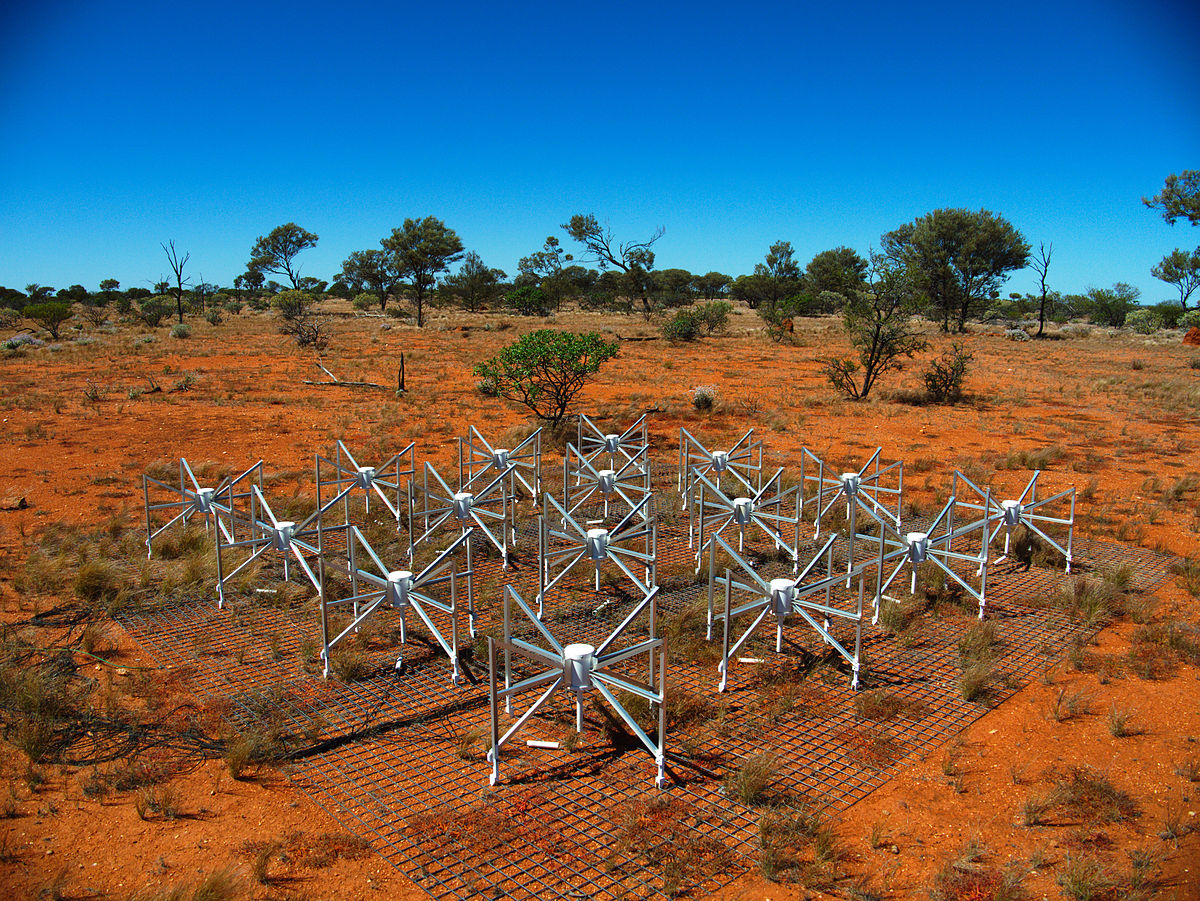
(1119, 413)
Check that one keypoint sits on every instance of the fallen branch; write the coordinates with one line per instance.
(336, 382)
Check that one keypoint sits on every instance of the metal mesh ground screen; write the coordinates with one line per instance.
(398, 757)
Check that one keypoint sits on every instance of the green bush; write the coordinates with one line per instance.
(1144, 321)
(529, 300)
(49, 316)
(544, 370)
(1190, 319)
(684, 326)
(945, 376)
(153, 310)
(180, 330)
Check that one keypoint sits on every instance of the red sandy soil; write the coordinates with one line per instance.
(1121, 411)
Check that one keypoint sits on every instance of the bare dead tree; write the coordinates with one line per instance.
(176, 262)
(1041, 265)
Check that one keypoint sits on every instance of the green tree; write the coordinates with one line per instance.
(529, 300)
(38, 293)
(248, 285)
(475, 285)
(712, 285)
(959, 257)
(1181, 270)
(371, 270)
(277, 251)
(545, 268)
(840, 270)
(672, 287)
(1110, 306)
(633, 258)
(1180, 197)
(545, 370)
(50, 315)
(73, 294)
(420, 250)
(778, 275)
(879, 325)
(153, 309)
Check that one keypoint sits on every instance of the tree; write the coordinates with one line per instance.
(529, 300)
(959, 257)
(545, 369)
(1041, 265)
(73, 294)
(474, 284)
(778, 274)
(371, 270)
(50, 315)
(878, 323)
(841, 271)
(176, 262)
(109, 287)
(753, 290)
(153, 309)
(420, 250)
(1182, 270)
(712, 285)
(277, 251)
(545, 269)
(672, 287)
(38, 293)
(1110, 306)
(1180, 197)
(634, 258)
(203, 292)
(249, 285)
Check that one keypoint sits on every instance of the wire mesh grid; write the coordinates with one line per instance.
(398, 757)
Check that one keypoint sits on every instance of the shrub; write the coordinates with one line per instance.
(704, 397)
(713, 316)
(1190, 319)
(364, 302)
(878, 326)
(750, 781)
(213, 316)
(49, 316)
(544, 370)
(299, 319)
(180, 330)
(945, 376)
(153, 310)
(1144, 321)
(682, 327)
(529, 300)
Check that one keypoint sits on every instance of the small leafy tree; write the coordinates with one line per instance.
(154, 309)
(276, 253)
(544, 370)
(878, 323)
(49, 316)
(529, 300)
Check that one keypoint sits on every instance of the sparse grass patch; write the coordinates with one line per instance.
(751, 781)
(1086, 878)
(882, 705)
(798, 845)
(1068, 705)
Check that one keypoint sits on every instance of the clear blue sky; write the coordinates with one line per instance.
(733, 125)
